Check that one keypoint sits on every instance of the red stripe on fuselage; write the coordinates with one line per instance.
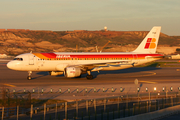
(53, 55)
(101, 56)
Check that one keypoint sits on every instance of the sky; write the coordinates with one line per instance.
(118, 15)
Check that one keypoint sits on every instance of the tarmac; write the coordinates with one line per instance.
(71, 93)
(104, 84)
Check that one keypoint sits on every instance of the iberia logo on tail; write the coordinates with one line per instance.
(150, 44)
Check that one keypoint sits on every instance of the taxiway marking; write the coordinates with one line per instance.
(10, 85)
(148, 74)
(148, 82)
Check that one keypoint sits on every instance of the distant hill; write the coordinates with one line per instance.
(21, 41)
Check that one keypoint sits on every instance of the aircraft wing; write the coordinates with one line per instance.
(92, 67)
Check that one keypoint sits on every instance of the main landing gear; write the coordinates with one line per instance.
(29, 75)
(89, 76)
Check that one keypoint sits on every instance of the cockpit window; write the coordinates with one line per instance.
(20, 59)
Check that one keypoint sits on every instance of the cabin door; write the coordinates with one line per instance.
(31, 59)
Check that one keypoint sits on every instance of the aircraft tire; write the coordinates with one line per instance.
(89, 77)
(29, 78)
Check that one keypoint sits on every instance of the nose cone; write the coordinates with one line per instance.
(10, 65)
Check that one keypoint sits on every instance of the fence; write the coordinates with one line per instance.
(104, 108)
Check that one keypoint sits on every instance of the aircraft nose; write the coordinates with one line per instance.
(10, 65)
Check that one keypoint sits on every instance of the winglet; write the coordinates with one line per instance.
(149, 43)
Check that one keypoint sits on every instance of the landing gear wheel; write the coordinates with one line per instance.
(29, 78)
(89, 77)
(29, 75)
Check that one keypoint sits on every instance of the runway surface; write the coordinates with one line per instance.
(127, 76)
(103, 83)
(148, 77)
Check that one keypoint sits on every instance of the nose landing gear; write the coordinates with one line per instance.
(29, 75)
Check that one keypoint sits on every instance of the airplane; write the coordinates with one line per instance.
(75, 64)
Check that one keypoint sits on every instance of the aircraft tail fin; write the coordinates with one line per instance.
(149, 43)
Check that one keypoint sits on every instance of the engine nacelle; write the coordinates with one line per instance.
(55, 73)
(72, 72)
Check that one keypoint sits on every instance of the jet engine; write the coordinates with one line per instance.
(72, 72)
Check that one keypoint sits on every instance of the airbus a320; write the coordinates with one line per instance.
(76, 64)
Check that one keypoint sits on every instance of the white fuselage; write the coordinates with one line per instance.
(114, 61)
